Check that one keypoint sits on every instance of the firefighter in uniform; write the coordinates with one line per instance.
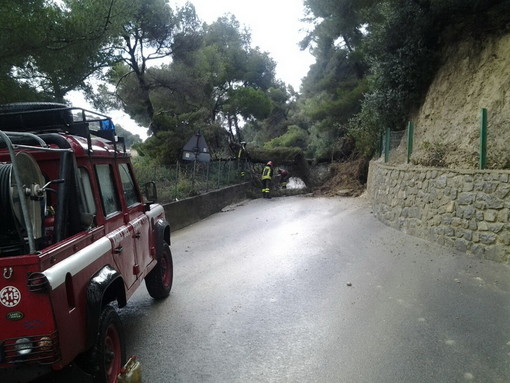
(284, 178)
(267, 175)
(242, 157)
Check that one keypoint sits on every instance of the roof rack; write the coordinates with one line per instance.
(52, 117)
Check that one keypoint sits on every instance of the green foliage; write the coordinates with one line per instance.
(13, 91)
(248, 102)
(23, 29)
(164, 147)
(279, 155)
(276, 123)
(148, 170)
(295, 137)
(37, 36)
(366, 127)
(336, 84)
(320, 144)
(402, 64)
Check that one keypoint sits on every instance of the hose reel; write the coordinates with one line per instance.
(32, 191)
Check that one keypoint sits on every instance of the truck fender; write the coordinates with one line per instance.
(105, 286)
(162, 234)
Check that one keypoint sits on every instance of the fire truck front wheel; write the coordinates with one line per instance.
(109, 352)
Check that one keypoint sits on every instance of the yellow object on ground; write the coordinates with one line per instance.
(131, 372)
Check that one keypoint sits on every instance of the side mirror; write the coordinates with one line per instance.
(151, 193)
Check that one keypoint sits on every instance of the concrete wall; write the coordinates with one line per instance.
(467, 210)
(190, 210)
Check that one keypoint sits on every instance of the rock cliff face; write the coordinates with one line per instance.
(474, 75)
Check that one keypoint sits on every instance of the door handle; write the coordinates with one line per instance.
(118, 250)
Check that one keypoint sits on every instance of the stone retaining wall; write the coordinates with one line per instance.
(467, 210)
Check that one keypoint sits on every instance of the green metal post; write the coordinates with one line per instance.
(410, 139)
(483, 138)
(387, 145)
(380, 148)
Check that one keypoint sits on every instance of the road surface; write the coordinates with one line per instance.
(302, 289)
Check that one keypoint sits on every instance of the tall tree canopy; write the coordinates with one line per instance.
(152, 31)
(47, 50)
(212, 81)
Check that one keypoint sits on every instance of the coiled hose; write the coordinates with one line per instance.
(7, 221)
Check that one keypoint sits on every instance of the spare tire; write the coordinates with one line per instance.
(35, 116)
(28, 106)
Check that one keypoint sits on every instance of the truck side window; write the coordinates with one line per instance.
(109, 196)
(128, 185)
(87, 200)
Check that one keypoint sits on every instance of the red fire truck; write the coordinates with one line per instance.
(76, 240)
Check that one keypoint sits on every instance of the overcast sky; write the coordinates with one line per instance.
(275, 27)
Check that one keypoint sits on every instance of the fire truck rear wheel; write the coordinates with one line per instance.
(159, 280)
(109, 353)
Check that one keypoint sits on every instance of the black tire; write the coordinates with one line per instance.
(159, 280)
(29, 106)
(108, 355)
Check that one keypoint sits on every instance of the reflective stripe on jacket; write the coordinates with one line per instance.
(267, 173)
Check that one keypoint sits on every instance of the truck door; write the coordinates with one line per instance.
(138, 221)
(118, 231)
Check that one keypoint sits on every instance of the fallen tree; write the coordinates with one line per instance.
(292, 159)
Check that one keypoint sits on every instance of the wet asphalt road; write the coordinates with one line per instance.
(301, 289)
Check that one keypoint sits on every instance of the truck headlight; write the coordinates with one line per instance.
(23, 346)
